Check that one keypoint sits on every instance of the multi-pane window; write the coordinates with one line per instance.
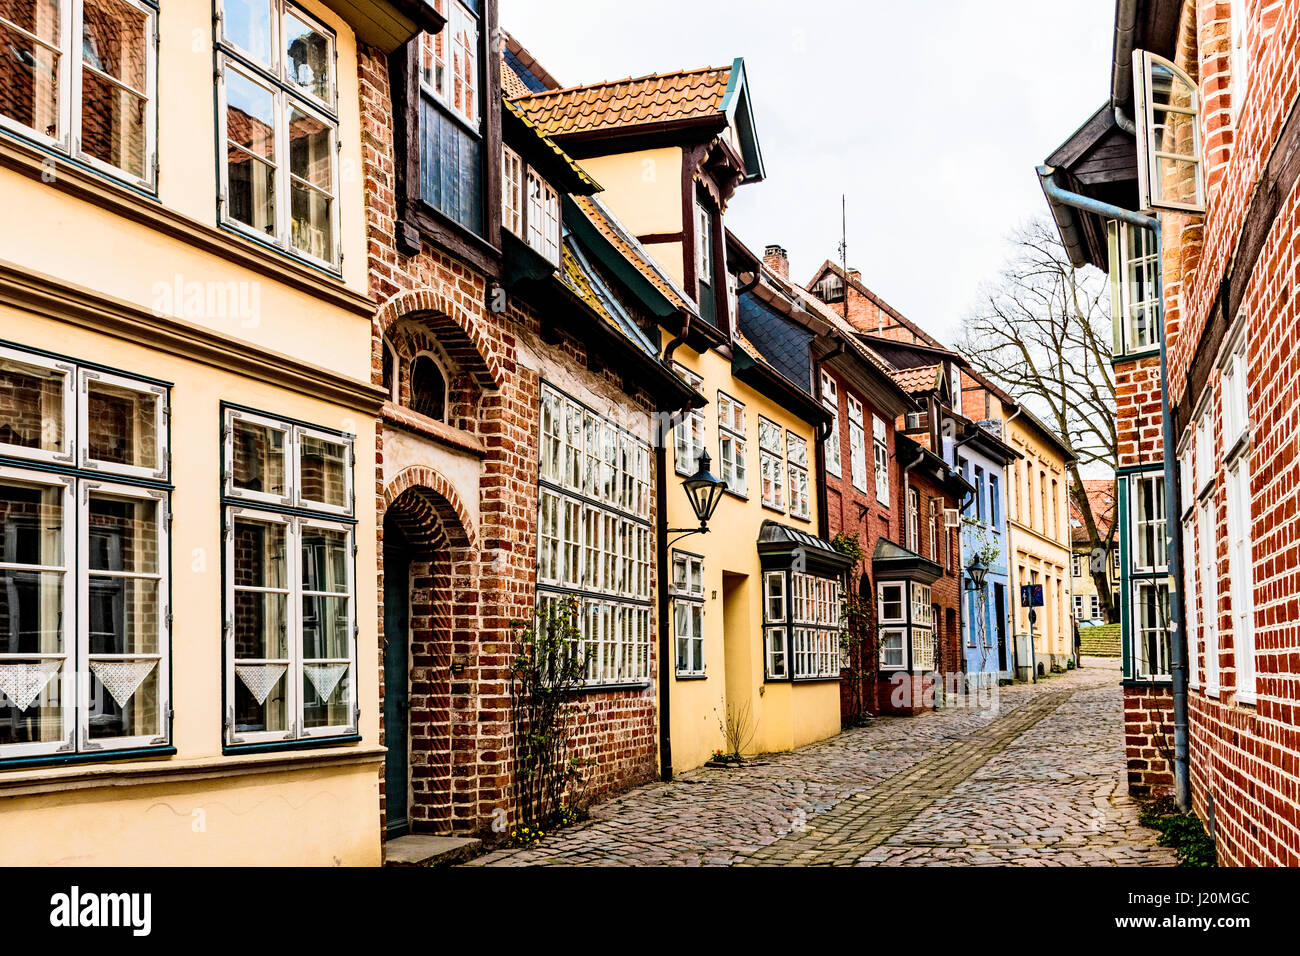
(1150, 544)
(1151, 629)
(289, 581)
(512, 191)
(922, 628)
(979, 495)
(995, 501)
(687, 590)
(1171, 174)
(85, 614)
(80, 76)
(880, 450)
(1237, 475)
(831, 401)
(1076, 565)
(796, 453)
(594, 537)
(857, 444)
(1134, 288)
(891, 615)
(731, 443)
(771, 464)
(934, 532)
(688, 435)
(1207, 554)
(704, 265)
(810, 606)
(543, 217)
(451, 116)
(1188, 585)
(914, 520)
(278, 126)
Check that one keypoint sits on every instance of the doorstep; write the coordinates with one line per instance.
(420, 849)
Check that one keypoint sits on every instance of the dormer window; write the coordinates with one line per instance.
(534, 215)
(1171, 175)
(704, 272)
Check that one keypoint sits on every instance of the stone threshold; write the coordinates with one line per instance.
(428, 850)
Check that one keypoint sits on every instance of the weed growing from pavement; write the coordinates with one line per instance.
(1180, 831)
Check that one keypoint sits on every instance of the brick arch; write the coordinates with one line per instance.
(456, 330)
(454, 522)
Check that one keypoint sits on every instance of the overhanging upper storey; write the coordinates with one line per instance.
(387, 24)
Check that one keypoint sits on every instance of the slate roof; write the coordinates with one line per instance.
(782, 340)
(635, 101)
(512, 84)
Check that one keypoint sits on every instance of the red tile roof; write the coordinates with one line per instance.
(511, 84)
(636, 101)
(923, 378)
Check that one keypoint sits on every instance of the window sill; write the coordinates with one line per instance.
(686, 677)
(736, 494)
(610, 688)
(113, 196)
(774, 509)
(60, 779)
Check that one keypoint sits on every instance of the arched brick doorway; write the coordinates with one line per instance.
(428, 560)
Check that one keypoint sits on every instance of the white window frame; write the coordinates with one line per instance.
(66, 454)
(459, 18)
(71, 94)
(1207, 515)
(162, 413)
(1144, 64)
(543, 223)
(914, 520)
(732, 445)
(285, 95)
(294, 677)
(798, 472)
(1241, 576)
(1133, 254)
(70, 571)
(294, 432)
(161, 576)
(857, 443)
(703, 245)
(776, 662)
(688, 437)
(880, 450)
(772, 464)
(1157, 522)
(1139, 629)
(831, 402)
(690, 597)
(512, 191)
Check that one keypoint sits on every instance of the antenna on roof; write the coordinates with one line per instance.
(844, 250)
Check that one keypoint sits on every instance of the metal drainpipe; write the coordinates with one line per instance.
(1178, 644)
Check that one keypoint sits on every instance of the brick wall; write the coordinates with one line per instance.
(1149, 739)
(462, 729)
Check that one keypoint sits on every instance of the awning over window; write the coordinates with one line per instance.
(781, 548)
(893, 562)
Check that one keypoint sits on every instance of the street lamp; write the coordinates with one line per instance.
(704, 490)
(975, 572)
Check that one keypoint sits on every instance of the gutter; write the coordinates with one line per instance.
(1173, 508)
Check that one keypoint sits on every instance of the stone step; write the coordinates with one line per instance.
(424, 849)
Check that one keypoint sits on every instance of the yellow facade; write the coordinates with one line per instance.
(1040, 542)
(154, 287)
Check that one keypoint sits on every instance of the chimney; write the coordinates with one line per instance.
(855, 275)
(776, 260)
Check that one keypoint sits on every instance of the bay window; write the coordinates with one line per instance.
(806, 609)
(731, 444)
(512, 191)
(796, 452)
(290, 614)
(81, 77)
(85, 618)
(771, 464)
(594, 537)
(1171, 173)
(857, 444)
(687, 592)
(278, 125)
(543, 217)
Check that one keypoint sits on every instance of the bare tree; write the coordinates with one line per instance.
(1042, 331)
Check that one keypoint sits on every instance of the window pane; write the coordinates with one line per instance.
(121, 425)
(124, 613)
(325, 560)
(247, 24)
(1173, 136)
(309, 150)
(29, 70)
(250, 129)
(31, 701)
(327, 694)
(250, 115)
(113, 41)
(323, 471)
(123, 535)
(259, 460)
(261, 697)
(31, 405)
(313, 222)
(113, 125)
(308, 53)
(31, 601)
(261, 617)
(124, 698)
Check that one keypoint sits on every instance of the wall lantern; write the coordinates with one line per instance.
(704, 490)
(975, 572)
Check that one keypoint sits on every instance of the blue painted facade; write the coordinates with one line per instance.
(986, 614)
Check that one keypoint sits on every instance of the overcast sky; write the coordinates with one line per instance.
(930, 115)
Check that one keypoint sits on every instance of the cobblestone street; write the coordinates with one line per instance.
(1034, 779)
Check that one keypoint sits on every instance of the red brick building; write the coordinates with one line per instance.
(1212, 89)
(516, 451)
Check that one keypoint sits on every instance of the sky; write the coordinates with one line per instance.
(928, 115)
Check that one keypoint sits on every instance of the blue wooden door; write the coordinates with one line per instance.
(397, 693)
